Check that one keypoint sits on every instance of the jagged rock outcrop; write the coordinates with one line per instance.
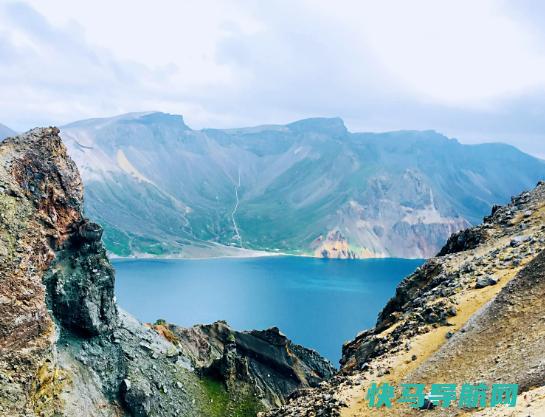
(65, 347)
(265, 361)
(80, 283)
(473, 314)
(464, 240)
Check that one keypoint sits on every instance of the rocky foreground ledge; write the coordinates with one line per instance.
(65, 347)
(473, 314)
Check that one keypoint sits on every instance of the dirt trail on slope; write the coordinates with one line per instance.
(503, 343)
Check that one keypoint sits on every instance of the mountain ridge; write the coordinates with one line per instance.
(309, 187)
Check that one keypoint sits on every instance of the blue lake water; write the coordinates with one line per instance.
(317, 303)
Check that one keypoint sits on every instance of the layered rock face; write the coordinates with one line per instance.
(65, 347)
(266, 361)
(473, 314)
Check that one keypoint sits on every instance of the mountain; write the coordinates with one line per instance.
(67, 350)
(309, 187)
(5, 131)
(474, 315)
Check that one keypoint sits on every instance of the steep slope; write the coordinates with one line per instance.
(5, 131)
(474, 314)
(309, 187)
(66, 349)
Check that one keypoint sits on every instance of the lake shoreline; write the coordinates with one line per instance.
(250, 255)
(243, 254)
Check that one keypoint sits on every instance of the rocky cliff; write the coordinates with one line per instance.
(473, 314)
(65, 347)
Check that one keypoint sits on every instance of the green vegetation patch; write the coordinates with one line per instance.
(116, 241)
(221, 403)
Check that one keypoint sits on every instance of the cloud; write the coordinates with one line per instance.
(53, 74)
(475, 70)
(50, 73)
(458, 53)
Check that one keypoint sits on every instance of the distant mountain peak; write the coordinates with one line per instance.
(328, 125)
(162, 118)
(148, 118)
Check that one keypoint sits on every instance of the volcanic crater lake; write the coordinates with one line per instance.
(318, 303)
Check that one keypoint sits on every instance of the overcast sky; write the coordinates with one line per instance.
(474, 70)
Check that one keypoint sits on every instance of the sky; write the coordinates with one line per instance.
(473, 70)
